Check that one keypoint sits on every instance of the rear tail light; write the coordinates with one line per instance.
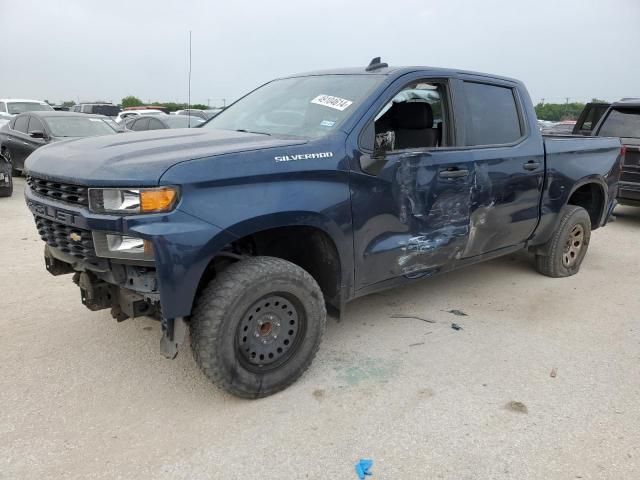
(623, 150)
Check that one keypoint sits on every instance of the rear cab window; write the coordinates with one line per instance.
(492, 115)
(621, 122)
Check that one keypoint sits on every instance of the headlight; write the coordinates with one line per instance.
(111, 245)
(131, 201)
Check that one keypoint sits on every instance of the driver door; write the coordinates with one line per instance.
(411, 194)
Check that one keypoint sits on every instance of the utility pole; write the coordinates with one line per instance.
(224, 103)
(208, 102)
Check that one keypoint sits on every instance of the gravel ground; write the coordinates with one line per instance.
(542, 382)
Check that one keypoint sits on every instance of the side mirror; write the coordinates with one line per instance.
(370, 143)
(37, 134)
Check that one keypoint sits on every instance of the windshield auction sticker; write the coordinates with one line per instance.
(332, 102)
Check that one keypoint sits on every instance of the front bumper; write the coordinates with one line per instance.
(183, 245)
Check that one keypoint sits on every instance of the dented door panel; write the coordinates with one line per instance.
(505, 197)
(413, 217)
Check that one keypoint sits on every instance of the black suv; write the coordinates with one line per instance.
(622, 119)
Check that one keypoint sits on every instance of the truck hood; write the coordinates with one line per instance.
(139, 158)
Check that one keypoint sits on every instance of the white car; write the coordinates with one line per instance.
(10, 107)
(122, 116)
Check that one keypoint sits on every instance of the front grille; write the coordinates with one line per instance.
(71, 240)
(64, 192)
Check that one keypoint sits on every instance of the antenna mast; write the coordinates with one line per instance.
(189, 95)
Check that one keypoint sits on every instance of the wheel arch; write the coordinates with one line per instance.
(310, 240)
(590, 193)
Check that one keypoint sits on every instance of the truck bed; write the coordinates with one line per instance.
(571, 161)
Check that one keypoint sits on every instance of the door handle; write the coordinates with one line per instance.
(531, 165)
(454, 173)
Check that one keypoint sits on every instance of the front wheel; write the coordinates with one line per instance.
(257, 326)
(564, 252)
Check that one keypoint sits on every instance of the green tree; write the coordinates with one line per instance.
(556, 112)
(131, 101)
(68, 103)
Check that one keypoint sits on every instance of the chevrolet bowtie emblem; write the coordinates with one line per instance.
(76, 237)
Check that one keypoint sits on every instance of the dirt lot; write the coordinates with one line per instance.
(85, 397)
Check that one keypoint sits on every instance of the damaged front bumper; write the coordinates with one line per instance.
(161, 286)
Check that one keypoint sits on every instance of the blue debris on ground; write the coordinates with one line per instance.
(362, 468)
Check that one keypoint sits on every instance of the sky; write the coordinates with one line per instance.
(86, 50)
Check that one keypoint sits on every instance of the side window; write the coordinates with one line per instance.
(155, 124)
(588, 120)
(35, 125)
(492, 115)
(3, 107)
(414, 118)
(21, 124)
(140, 124)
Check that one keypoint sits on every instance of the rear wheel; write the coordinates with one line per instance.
(257, 326)
(563, 254)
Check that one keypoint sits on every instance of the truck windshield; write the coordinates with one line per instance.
(307, 107)
(623, 123)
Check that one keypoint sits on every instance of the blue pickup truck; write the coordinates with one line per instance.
(306, 193)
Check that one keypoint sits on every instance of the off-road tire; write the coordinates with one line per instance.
(549, 260)
(221, 313)
(6, 190)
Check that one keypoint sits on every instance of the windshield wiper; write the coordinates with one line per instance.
(249, 131)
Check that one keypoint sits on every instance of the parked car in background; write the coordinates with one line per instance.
(560, 128)
(30, 131)
(161, 122)
(10, 107)
(149, 107)
(545, 124)
(125, 114)
(589, 118)
(308, 192)
(6, 177)
(203, 114)
(106, 109)
(622, 119)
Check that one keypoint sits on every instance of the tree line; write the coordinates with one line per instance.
(131, 101)
(557, 112)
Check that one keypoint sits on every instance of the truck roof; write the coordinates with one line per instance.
(398, 71)
(21, 100)
(626, 102)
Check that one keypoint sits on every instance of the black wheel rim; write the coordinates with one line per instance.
(269, 332)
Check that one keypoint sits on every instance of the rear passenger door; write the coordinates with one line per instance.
(509, 165)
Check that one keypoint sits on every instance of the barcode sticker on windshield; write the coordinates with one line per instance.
(332, 102)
